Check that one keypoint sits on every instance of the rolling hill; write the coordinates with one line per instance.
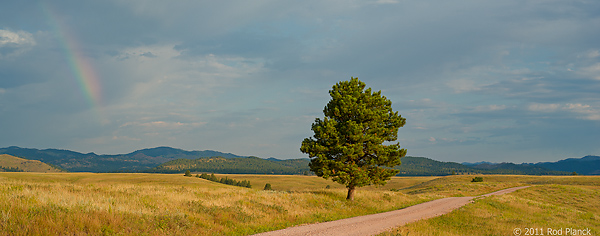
(16, 164)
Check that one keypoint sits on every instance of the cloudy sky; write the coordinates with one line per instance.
(510, 80)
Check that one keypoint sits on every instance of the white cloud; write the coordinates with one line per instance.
(159, 129)
(171, 125)
(463, 85)
(445, 140)
(581, 111)
(540, 107)
(15, 38)
(592, 71)
(15, 43)
(588, 112)
(164, 125)
(590, 54)
(593, 116)
(167, 76)
(577, 107)
(424, 103)
(125, 138)
(490, 108)
(386, 2)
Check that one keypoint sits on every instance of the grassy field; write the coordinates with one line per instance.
(308, 183)
(159, 204)
(556, 203)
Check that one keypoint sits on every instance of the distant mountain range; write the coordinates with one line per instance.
(421, 166)
(173, 160)
(588, 165)
(132, 162)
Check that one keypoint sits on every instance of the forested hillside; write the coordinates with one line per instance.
(421, 166)
(247, 165)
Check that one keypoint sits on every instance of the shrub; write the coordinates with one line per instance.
(268, 186)
(187, 173)
(228, 181)
(477, 179)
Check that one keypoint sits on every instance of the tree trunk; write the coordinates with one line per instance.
(350, 193)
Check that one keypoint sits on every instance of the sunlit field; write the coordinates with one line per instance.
(159, 204)
(552, 206)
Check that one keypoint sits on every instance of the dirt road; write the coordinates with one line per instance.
(378, 223)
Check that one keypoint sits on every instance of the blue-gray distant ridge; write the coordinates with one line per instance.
(174, 160)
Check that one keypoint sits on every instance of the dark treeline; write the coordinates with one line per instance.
(245, 165)
(225, 180)
(411, 166)
(420, 166)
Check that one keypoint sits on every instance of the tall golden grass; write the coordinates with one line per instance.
(160, 204)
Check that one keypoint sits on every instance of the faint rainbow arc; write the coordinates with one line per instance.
(79, 65)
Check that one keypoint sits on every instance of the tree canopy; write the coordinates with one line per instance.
(348, 143)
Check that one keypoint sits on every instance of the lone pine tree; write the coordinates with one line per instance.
(347, 145)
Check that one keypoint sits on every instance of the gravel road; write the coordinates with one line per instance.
(379, 223)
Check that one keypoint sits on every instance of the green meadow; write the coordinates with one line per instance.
(171, 204)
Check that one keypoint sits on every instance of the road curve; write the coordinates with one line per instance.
(378, 223)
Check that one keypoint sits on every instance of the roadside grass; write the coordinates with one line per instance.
(461, 185)
(552, 202)
(163, 204)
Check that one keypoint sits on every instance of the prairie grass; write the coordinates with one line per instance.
(161, 204)
(303, 183)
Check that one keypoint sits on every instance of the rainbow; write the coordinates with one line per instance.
(80, 65)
